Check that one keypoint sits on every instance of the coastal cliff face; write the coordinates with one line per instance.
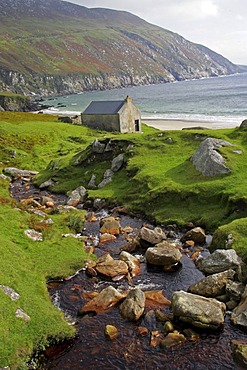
(16, 103)
(61, 48)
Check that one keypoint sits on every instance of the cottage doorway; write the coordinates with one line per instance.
(137, 128)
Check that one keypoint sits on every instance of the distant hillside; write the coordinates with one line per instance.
(52, 46)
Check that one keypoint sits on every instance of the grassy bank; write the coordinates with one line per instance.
(157, 180)
(26, 265)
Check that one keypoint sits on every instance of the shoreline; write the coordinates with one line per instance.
(176, 124)
(166, 123)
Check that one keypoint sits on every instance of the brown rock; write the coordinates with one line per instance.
(111, 332)
(30, 202)
(156, 338)
(90, 271)
(197, 235)
(168, 327)
(132, 245)
(142, 331)
(152, 236)
(107, 266)
(88, 249)
(189, 243)
(163, 254)
(172, 339)
(155, 298)
(50, 204)
(191, 335)
(105, 300)
(47, 201)
(106, 238)
(90, 217)
(127, 229)
(132, 262)
(110, 225)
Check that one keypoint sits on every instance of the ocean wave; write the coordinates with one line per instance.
(234, 120)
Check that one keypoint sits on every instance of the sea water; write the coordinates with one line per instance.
(218, 99)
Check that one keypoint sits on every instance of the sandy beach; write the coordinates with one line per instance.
(167, 124)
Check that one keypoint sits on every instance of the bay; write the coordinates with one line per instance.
(218, 99)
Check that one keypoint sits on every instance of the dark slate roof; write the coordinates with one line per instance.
(104, 107)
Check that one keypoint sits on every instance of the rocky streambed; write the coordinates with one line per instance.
(154, 299)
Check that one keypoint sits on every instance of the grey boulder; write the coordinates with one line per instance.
(205, 313)
(220, 260)
(133, 306)
(207, 160)
(212, 285)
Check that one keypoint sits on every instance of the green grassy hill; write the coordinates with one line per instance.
(46, 38)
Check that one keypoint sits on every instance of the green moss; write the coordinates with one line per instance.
(232, 235)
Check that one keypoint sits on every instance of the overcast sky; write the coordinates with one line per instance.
(220, 25)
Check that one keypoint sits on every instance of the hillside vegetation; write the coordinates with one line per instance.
(158, 180)
(54, 46)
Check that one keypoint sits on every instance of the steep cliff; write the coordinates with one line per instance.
(16, 103)
(55, 47)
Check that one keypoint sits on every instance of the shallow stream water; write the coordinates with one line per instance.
(92, 351)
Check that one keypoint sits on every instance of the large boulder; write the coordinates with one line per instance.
(77, 196)
(219, 261)
(163, 254)
(205, 313)
(207, 160)
(212, 285)
(239, 314)
(105, 300)
(152, 236)
(133, 306)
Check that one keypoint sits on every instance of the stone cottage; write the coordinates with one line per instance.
(116, 115)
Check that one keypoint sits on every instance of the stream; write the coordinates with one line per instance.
(91, 350)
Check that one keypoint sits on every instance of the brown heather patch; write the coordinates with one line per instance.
(4, 201)
(37, 225)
